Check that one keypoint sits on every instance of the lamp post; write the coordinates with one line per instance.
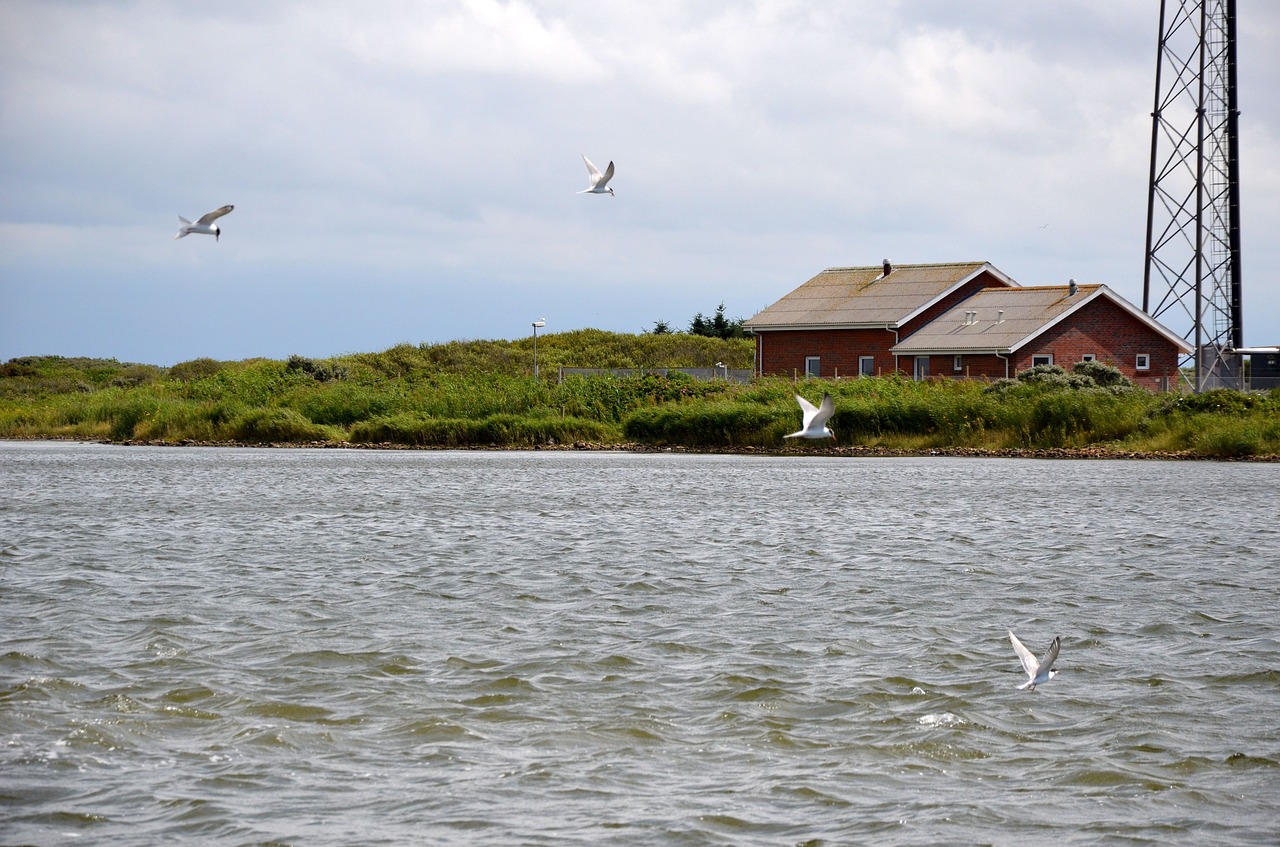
(540, 322)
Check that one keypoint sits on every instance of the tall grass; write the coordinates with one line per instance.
(478, 394)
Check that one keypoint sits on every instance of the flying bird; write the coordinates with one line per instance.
(204, 226)
(815, 418)
(599, 182)
(1038, 672)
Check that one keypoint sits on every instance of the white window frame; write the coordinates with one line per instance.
(812, 366)
(1089, 357)
(863, 369)
(1047, 356)
(957, 363)
(921, 368)
(1142, 362)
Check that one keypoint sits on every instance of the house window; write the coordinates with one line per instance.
(1041, 359)
(867, 365)
(1088, 357)
(1144, 362)
(957, 363)
(922, 367)
(812, 365)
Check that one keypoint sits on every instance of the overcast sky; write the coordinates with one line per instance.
(407, 171)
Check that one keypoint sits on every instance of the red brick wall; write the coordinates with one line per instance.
(782, 352)
(1114, 337)
(973, 366)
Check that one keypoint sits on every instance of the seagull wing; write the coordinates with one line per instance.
(592, 171)
(1029, 663)
(214, 215)
(823, 413)
(809, 410)
(1050, 655)
(608, 175)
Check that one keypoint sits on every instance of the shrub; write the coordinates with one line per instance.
(1102, 375)
(341, 403)
(195, 369)
(716, 424)
(275, 425)
(319, 371)
(503, 430)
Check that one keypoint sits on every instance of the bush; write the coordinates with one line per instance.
(319, 371)
(712, 424)
(418, 430)
(195, 369)
(340, 403)
(1102, 375)
(275, 425)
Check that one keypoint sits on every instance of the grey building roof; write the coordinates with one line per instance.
(853, 298)
(1004, 319)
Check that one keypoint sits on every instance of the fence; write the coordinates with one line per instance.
(742, 375)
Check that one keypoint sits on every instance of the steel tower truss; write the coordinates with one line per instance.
(1192, 276)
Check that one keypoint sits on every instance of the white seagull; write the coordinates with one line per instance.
(815, 418)
(1038, 672)
(599, 181)
(204, 226)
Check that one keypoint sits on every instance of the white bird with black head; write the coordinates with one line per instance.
(815, 418)
(1039, 672)
(204, 226)
(598, 183)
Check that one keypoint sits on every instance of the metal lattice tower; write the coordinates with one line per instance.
(1192, 277)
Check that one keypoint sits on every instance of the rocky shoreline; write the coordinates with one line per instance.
(856, 451)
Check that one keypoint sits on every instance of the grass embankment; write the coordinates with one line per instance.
(481, 394)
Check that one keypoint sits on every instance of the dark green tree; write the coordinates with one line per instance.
(717, 326)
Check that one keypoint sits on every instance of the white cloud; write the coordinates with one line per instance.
(755, 143)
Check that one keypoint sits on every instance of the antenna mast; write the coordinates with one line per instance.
(1192, 276)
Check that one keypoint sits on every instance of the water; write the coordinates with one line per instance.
(235, 647)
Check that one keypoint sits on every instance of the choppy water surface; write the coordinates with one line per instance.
(218, 646)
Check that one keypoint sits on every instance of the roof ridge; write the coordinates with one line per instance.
(897, 267)
(1056, 285)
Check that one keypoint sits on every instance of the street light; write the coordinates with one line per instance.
(540, 322)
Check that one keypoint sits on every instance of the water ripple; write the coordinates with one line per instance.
(331, 647)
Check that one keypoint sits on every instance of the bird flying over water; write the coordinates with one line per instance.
(204, 226)
(1038, 672)
(815, 418)
(599, 182)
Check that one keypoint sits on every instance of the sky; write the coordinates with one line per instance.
(408, 171)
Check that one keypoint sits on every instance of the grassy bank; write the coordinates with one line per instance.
(480, 393)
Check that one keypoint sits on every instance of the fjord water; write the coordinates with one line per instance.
(331, 647)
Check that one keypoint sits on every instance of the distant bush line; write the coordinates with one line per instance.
(481, 394)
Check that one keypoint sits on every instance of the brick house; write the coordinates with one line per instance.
(845, 321)
(998, 332)
(959, 320)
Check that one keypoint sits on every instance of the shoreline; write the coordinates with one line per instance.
(853, 451)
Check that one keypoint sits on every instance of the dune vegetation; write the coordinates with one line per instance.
(482, 394)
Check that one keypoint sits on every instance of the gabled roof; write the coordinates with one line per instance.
(859, 298)
(1004, 319)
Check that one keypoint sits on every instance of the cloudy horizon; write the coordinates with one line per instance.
(409, 172)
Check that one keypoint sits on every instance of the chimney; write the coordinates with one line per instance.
(1071, 288)
(888, 268)
(1000, 316)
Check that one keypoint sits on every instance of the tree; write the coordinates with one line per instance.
(718, 326)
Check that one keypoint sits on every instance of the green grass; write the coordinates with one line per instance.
(481, 393)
